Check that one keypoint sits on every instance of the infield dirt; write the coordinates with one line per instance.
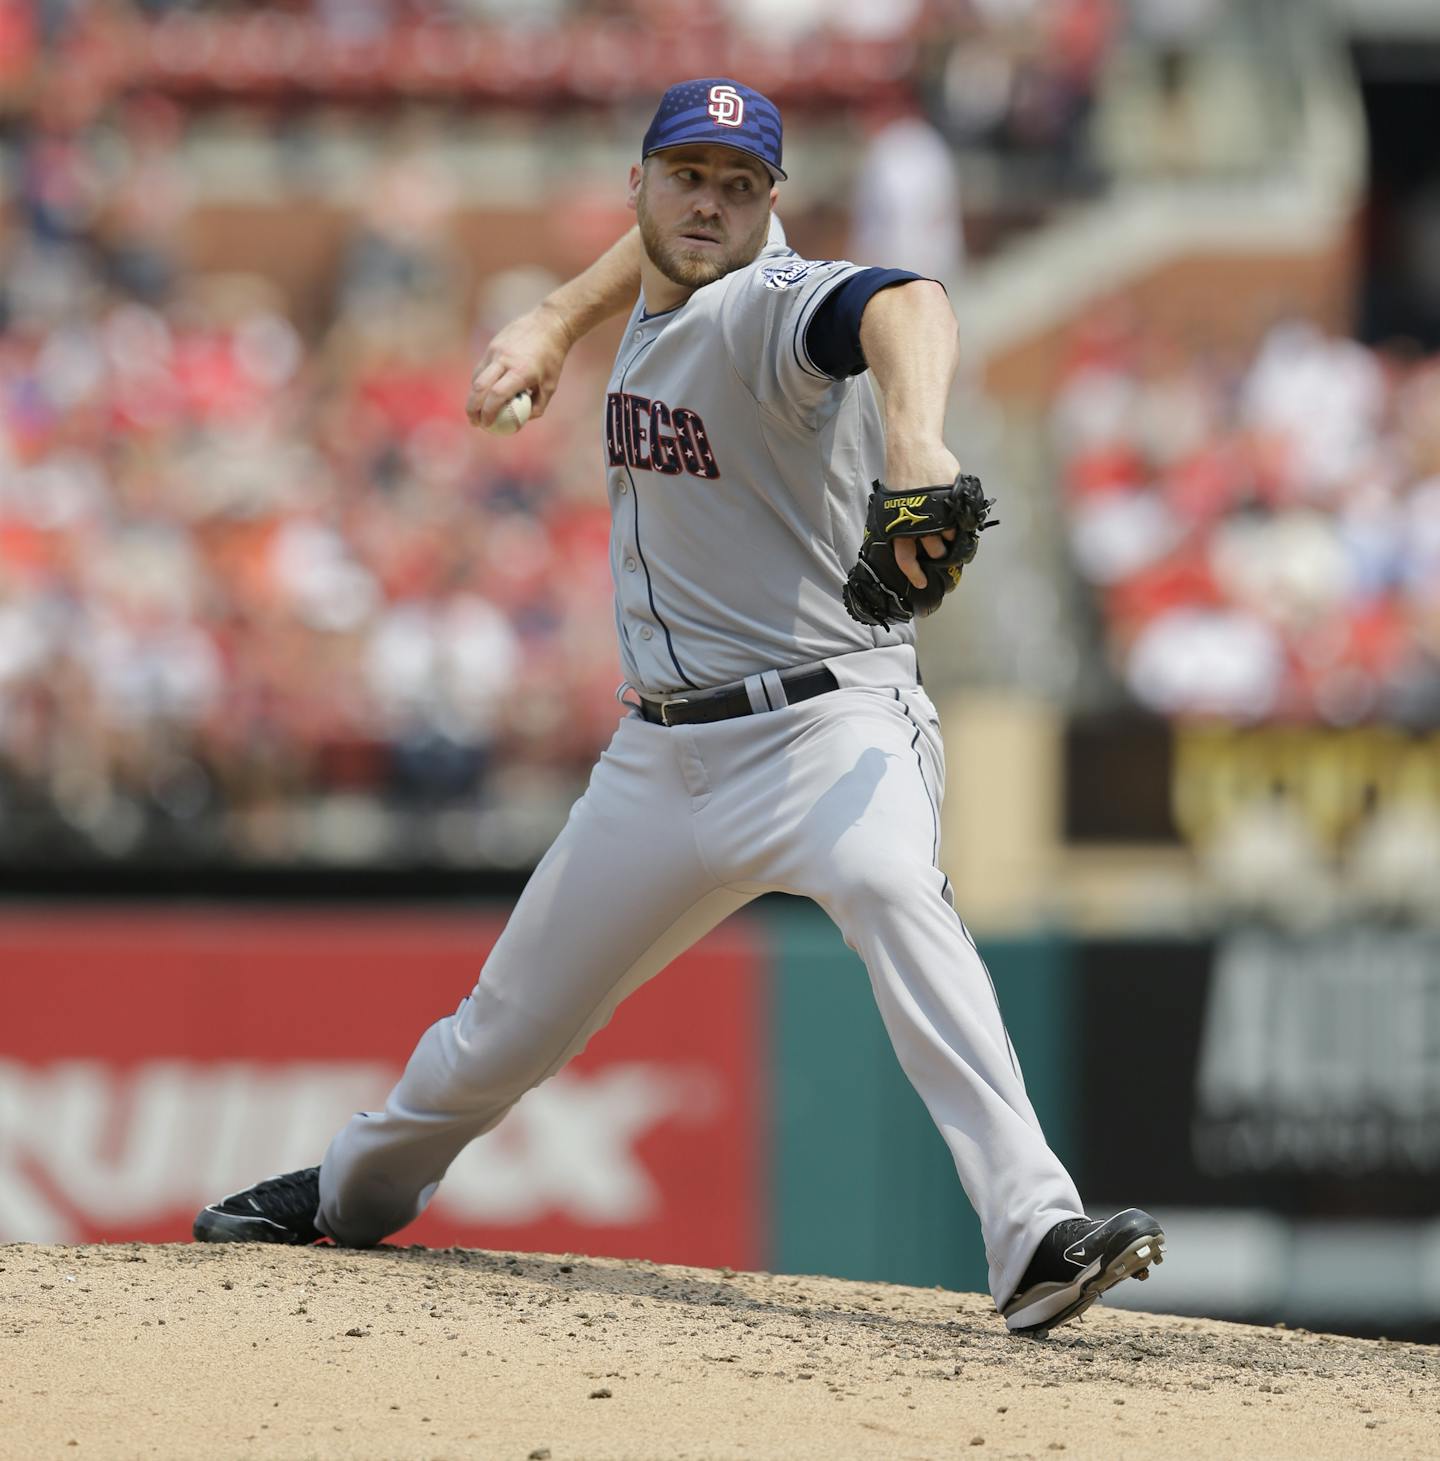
(184, 1351)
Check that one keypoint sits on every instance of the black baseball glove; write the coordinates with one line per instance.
(877, 592)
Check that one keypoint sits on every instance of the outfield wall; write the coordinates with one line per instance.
(1273, 1097)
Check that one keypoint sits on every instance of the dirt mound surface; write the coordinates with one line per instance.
(229, 1351)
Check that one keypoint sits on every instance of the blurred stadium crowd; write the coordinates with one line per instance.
(260, 590)
(244, 573)
(263, 595)
(1263, 533)
(1019, 75)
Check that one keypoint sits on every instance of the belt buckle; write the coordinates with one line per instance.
(665, 707)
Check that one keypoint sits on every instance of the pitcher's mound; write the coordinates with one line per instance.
(237, 1351)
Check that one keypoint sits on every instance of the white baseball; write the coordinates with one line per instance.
(513, 415)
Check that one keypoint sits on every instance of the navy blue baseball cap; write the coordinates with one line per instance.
(717, 110)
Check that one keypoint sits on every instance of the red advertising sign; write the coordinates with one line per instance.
(152, 1061)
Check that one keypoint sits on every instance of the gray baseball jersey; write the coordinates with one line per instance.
(738, 473)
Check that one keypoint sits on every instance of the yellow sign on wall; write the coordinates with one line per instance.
(1336, 779)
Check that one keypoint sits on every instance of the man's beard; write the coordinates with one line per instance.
(691, 269)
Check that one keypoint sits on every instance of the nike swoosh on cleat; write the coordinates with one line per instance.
(1078, 1254)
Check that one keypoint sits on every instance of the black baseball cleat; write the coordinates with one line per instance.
(278, 1210)
(1077, 1260)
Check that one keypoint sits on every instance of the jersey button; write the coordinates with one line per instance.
(624, 488)
(647, 632)
(637, 337)
(630, 565)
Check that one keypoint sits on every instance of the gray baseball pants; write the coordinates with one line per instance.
(836, 799)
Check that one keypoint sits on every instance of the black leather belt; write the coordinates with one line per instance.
(695, 707)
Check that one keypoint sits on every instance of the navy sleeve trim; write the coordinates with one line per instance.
(832, 340)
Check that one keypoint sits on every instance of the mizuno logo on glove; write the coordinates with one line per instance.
(905, 516)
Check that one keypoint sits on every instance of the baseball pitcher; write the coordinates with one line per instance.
(778, 522)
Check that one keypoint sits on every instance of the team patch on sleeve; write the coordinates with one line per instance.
(786, 276)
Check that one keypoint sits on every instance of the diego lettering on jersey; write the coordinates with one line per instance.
(649, 436)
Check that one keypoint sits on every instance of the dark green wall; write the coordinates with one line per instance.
(862, 1185)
